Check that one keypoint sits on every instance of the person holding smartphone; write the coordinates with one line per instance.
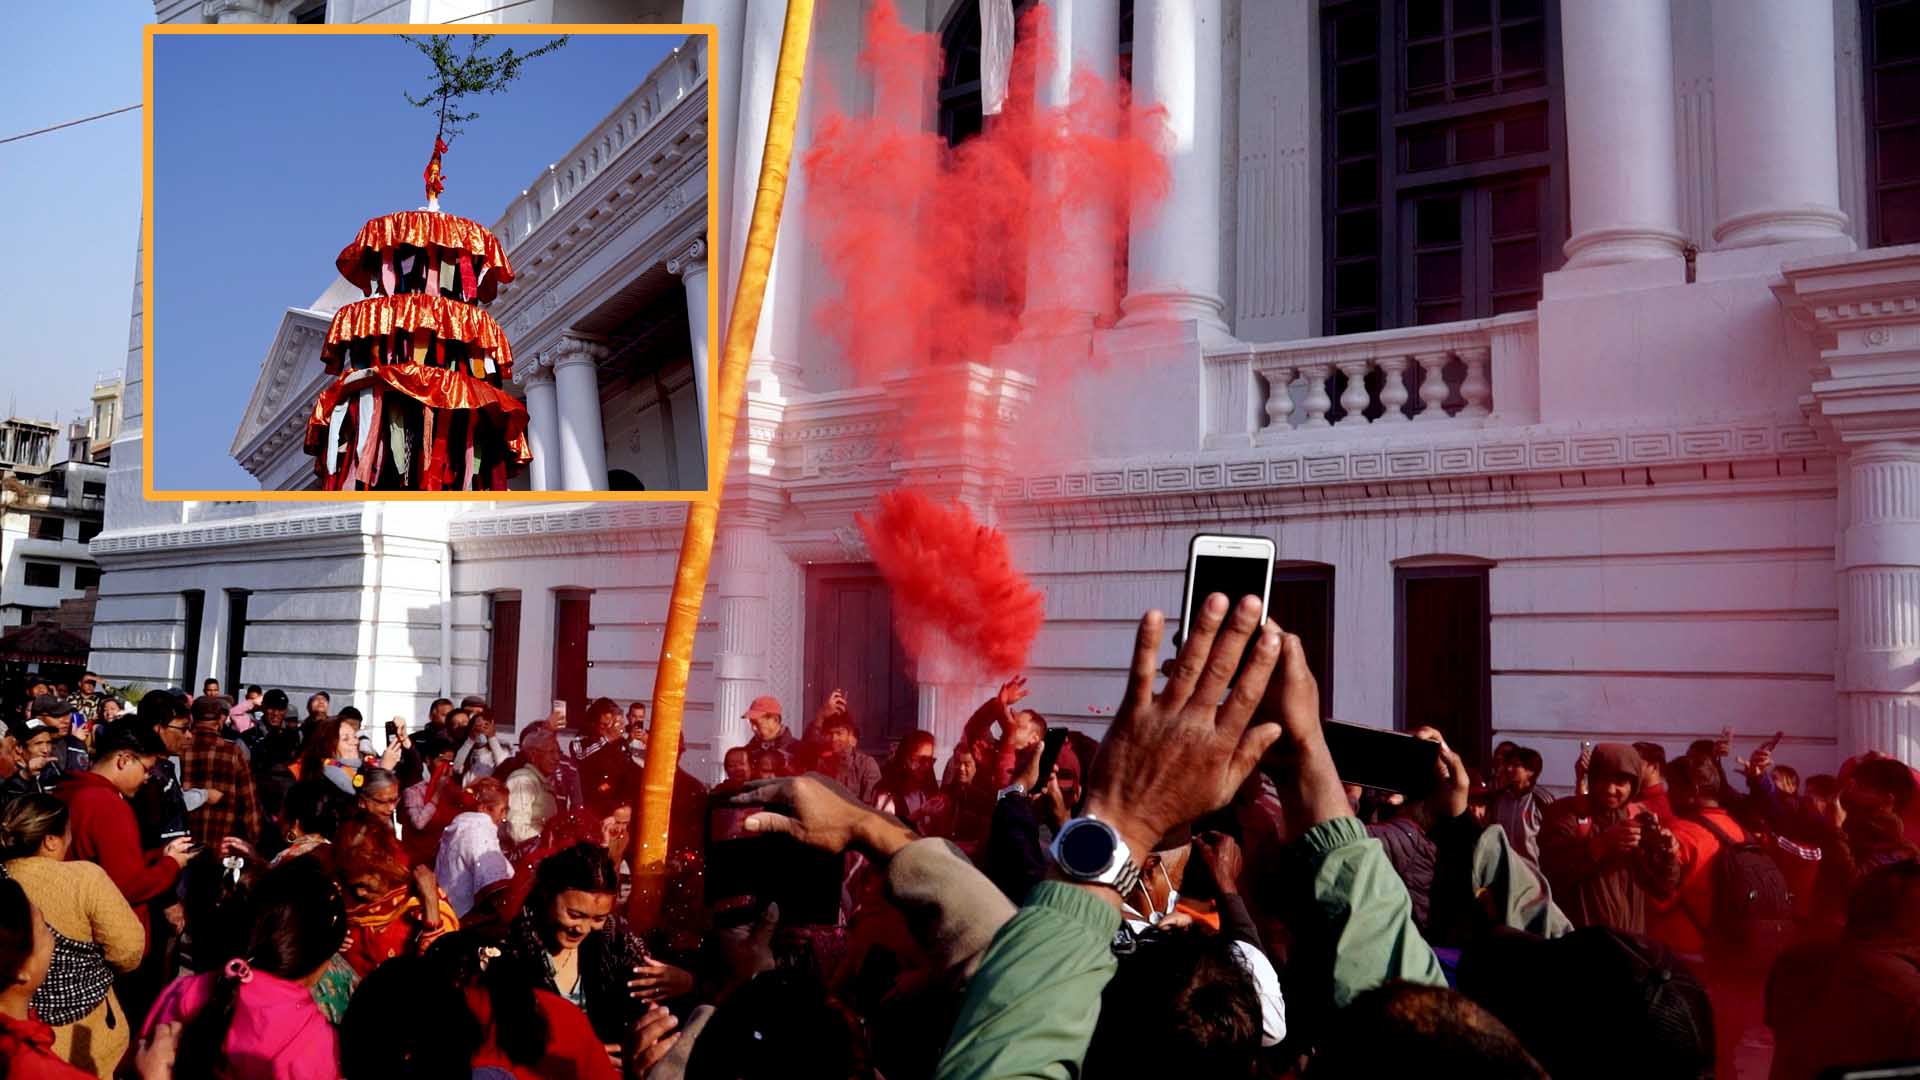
(483, 751)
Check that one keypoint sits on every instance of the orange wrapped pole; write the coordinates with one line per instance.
(696, 543)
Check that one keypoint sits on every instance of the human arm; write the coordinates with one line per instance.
(110, 919)
(421, 803)
(117, 849)
(1031, 1008)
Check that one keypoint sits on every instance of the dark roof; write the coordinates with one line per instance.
(43, 642)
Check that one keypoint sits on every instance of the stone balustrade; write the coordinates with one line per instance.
(1422, 376)
(684, 73)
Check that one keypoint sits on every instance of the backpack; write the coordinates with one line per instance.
(1752, 904)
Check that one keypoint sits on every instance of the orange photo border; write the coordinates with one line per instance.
(714, 342)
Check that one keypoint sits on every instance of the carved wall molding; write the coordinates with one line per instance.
(305, 527)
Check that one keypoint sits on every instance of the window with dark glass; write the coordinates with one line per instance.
(1890, 36)
(42, 575)
(47, 528)
(960, 115)
(86, 577)
(89, 530)
(312, 13)
(1445, 181)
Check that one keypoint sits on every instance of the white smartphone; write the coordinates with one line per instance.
(1236, 566)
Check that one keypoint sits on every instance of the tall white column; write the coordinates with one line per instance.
(582, 443)
(1879, 579)
(691, 267)
(535, 376)
(1173, 251)
(729, 18)
(1622, 148)
(742, 554)
(1070, 262)
(759, 57)
(1775, 130)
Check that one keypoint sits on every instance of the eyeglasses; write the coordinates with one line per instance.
(183, 729)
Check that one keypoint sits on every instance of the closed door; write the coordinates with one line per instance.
(1445, 673)
(851, 646)
(570, 630)
(503, 658)
(1301, 602)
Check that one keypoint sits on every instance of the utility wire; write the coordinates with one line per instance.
(70, 123)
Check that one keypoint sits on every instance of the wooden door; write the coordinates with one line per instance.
(503, 658)
(570, 629)
(851, 646)
(1301, 601)
(1444, 672)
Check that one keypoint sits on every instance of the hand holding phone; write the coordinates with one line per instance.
(1234, 566)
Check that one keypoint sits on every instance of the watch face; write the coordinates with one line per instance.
(1086, 849)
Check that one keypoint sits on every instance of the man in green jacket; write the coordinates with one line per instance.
(1031, 1007)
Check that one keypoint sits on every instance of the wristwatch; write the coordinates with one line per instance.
(1090, 851)
(1011, 789)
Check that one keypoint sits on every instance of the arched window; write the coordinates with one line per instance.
(961, 117)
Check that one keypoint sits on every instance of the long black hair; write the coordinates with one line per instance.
(16, 929)
(317, 807)
(295, 919)
(438, 1040)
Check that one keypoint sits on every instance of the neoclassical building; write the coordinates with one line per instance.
(1568, 352)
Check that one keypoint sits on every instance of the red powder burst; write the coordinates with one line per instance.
(929, 244)
(956, 594)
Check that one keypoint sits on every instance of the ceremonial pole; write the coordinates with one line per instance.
(696, 543)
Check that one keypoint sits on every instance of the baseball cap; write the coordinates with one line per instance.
(48, 705)
(764, 705)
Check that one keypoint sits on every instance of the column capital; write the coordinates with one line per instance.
(1863, 310)
(691, 259)
(533, 370)
(577, 349)
(236, 11)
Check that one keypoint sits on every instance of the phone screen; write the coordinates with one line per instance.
(1056, 737)
(1231, 575)
(1383, 760)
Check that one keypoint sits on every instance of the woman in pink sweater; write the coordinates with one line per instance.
(255, 1017)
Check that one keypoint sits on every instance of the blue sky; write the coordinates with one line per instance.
(69, 200)
(270, 151)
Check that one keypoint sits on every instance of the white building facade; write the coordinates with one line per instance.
(1564, 349)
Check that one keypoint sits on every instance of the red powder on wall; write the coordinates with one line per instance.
(957, 600)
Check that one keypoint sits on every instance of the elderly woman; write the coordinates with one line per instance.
(95, 933)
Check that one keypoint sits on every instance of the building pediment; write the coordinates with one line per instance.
(290, 376)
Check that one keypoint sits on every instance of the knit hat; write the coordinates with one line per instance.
(274, 699)
(764, 705)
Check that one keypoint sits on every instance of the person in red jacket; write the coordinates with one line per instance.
(102, 823)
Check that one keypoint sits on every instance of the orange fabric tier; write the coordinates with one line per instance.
(422, 229)
(443, 317)
(435, 388)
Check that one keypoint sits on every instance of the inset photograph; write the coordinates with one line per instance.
(427, 265)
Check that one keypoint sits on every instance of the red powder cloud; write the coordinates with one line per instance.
(957, 600)
(929, 245)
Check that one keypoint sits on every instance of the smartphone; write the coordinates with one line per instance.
(1770, 745)
(1235, 566)
(1383, 760)
(393, 731)
(1055, 738)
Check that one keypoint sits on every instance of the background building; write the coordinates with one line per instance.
(1566, 350)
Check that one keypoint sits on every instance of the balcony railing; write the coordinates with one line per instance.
(681, 74)
(1453, 375)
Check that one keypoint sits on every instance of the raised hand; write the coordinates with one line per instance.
(1221, 853)
(656, 981)
(1455, 788)
(822, 814)
(1173, 756)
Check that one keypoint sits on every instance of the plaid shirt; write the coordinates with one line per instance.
(212, 762)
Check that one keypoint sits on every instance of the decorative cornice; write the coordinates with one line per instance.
(224, 533)
(570, 529)
(1863, 310)
(1540, 457)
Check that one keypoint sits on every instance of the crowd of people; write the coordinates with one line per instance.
(212, 885)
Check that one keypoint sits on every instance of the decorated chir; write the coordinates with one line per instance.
(417, 400)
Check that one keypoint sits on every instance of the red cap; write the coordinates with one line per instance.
(764, 705)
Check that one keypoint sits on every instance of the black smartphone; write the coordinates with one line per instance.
(1055, 738)
(393, 731)
(1234, 566)
(1771, 744)
(1383, 760)
(804, 881)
